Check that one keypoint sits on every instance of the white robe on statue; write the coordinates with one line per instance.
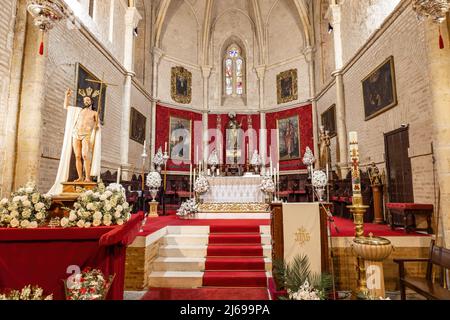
(66, 152)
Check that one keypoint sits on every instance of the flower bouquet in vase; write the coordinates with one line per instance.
(90, 284)
(27, 293)
(268, 187)
(201, 186)
(256, 161)
(319, 181)
(154, 181)
(158, 160)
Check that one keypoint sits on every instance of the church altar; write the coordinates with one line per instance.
(245, 189)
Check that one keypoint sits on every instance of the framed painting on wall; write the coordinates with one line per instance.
(180, 139)
(181, 85)
(287, 87)
(379, 89)
(329, 120)
(137, 126)
(288, 138)
(89, 85)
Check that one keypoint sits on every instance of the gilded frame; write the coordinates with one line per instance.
(137, 119)
(172, 119)
(297, 118)
(293, 95)
(370, 115)
(177, 73)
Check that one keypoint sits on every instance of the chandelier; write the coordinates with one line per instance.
(435, 9)
(45, 14)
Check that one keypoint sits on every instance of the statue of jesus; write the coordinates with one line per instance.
(86, 123)
(82, 135)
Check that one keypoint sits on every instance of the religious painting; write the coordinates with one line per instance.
(379, 89)
(180, 139)
(181, 90)
(88, 85)
(287, 87)
(137, 126)
(288, 138)
(329, 120)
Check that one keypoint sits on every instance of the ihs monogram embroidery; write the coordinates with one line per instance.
(302, 236)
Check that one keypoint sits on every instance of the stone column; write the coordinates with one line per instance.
(206, 72)
(132, 18)
(263, 137)
(32, 101)
(157, 55)
(439, 82)
(261, 73)
(341, 127)
(9, 153)
(309, 57)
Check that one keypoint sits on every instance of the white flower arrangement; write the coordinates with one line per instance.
(319, 179)
(231, 114)
(26, 209)
(305, 292)
(213, 159)
(26, 293)
(99, 207)
(201, 184)
(154, 180)
(308, 158)
(256, 159)
(158, 159)
(188, 208)
(267, 185)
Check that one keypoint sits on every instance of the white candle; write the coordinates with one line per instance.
(165, 146)
(353, 137)
(145, 144)
(209, 172)
(190, 176)
(119, 175)
(217, 172)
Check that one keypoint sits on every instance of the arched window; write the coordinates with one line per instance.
(234, 71)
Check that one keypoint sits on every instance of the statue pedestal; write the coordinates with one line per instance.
(77, 187)
(153, 211)
(70, 194)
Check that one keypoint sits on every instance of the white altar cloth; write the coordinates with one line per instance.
(246, 189)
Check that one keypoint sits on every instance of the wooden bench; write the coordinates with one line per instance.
(404, 214)
(426, 287)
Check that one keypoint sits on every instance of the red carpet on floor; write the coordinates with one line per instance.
(235, 238)
(235, 257)
(346, 228)
(232, 263)
(234, 251)
(207, 294)
(235, 279)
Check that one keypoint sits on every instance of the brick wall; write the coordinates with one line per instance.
(403, 37)
(7, 20)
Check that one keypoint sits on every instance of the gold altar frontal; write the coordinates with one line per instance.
(228, 207)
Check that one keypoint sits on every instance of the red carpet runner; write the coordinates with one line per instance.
(234, 257)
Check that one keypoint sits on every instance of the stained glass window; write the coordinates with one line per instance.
(234, 71)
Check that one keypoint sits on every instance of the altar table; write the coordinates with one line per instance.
(42, 256)
(245, 189)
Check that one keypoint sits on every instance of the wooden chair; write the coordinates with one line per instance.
(426, 287)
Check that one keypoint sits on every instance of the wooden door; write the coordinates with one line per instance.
(398, 164)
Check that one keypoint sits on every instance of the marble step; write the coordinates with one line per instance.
(189, 264)
(264, 229)
(175, 279)
(179, 264)
(200, 239)
(199, 251)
